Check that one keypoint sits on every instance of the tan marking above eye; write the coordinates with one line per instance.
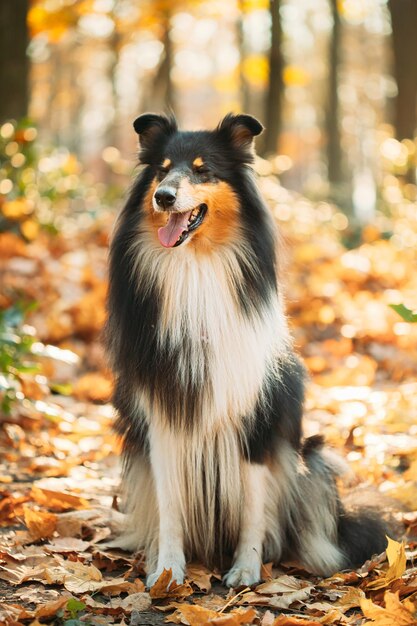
(166, 163)
(198, 162)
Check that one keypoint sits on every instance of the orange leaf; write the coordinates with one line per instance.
(234, 618)
(195, 615)
(165, 587)
(57, 500)
(199, 576)
(201, 616)
(41, 525)
(50, 608)
(286, 620)
(397, 565)
(395, 612)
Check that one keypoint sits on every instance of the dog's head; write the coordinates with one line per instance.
(193, 194)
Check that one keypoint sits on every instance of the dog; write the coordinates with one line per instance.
(208, 389)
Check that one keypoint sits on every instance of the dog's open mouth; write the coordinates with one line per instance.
(180, 225)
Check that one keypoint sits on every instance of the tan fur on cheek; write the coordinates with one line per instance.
(221, 224)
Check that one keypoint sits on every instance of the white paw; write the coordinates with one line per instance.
(177, 575)
(246, 576)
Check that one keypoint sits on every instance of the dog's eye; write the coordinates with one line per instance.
(201, 169)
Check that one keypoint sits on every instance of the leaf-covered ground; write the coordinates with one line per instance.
(58, 456)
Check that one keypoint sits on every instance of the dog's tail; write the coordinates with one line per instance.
(361, 534)
(362, 526)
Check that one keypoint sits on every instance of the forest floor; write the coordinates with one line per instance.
(59, 472)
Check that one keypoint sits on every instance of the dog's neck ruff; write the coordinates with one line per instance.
(219, 352)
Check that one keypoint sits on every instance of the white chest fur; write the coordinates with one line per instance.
(220, 348)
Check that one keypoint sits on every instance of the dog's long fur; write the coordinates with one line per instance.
(209, 392)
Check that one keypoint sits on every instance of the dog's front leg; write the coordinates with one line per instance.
(247, 564)
(170, 534)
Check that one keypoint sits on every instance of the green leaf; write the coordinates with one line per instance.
(407, 314)
(74, 606)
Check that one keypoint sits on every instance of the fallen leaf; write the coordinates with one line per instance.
(283, 584)
(268, 619)
(57, 501)
(18, 573)
(167, 588)
(279, 592)
(13, 613)
(266, 571)
(75, 576)
(397, 562)
(332, 616)
(195, 615)
(234, 618)
(136, 602)
(40, 525)
(50, 608)
(394, 613)
(192, 614)
(199, 576)
(67, 544)
(350, 599)
(288, 620)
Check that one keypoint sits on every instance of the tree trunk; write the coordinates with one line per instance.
(334, 154)
(404, 38)
(163, 90)
(14, 62)
(244, 87)
(273, 103)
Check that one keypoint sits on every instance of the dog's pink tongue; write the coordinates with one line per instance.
(168, 235)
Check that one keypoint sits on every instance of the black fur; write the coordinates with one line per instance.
(361, 534)
(278, 415)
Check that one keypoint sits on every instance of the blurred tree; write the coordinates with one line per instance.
(244, 85)
(404, 29)
(273, 102)
(162, 98)
(14, 66)
(334, 153)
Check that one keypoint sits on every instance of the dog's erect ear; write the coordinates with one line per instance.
(150, 126)
(240, 129)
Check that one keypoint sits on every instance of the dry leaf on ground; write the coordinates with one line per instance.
(194, 615)
(288, 620)
(395, 613)
(167, 588)
(200, 576)
(56, 500)
(41, 525)
(397, 562)
(67, 544)
(279, 593)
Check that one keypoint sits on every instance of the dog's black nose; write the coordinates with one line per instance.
(165, 197)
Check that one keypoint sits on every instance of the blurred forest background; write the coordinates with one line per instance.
(333, 81)
(335, 84)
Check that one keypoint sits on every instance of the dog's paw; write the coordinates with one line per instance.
(177, 575)
(238, 576)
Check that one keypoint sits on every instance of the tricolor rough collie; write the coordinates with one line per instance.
(209, 392)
